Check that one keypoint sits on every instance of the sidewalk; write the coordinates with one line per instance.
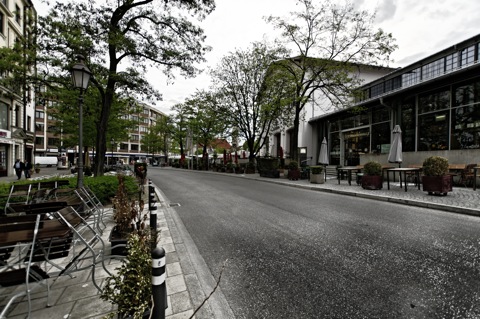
(78, 298)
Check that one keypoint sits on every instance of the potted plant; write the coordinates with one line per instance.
(268, 167)
(316, 175)
(435, 179)
(130, 289)
(293, 171)
(127, 217)
(372, 175)
(37, 168)
(250, 169)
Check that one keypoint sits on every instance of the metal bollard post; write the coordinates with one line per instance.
(159, 290)
(152, 206)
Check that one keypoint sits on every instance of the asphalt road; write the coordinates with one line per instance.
(294, 253)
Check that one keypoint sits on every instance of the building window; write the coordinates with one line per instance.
(134, 147)
(433, 69)
(408, 123)
(434, 102)
(39, 127)
(39, 114)
(134, 137)
(2, 23)
(433, 121)
(466, 117)
(467, 56)
(3, 116)
(39, 140)
(123, 146)
(411, 77)
(380, 138)
(451, 62)
(18, 14)
(377, 90)
(29, 123)
(433, 131)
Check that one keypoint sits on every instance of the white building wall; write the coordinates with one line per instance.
(307, 136)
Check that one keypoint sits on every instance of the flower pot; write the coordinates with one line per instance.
(317, 178)
(293, 174)
(117, 238)
(372, 182)
(437, 185)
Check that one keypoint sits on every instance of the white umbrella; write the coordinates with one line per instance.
(395, 155)
(323, 158)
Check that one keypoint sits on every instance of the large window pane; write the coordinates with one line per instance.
(3, 116)
(434, 101)
(408, 126)
(381, 138)
(335, 149)
(433, 131)
(466, 127)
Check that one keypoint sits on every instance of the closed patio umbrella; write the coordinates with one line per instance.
(323, 158)
(395, 155)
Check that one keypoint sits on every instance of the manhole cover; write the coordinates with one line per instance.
(174, 204)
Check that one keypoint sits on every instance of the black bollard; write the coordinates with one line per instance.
(152, 207)
(159, 290)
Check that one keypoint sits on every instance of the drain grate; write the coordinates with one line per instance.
(174, 205)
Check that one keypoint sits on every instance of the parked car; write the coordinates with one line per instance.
(155, 163)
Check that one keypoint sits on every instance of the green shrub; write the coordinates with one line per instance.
(435, 166)
(316, 169)
(372, 168)
(267, 163)
(293, 165)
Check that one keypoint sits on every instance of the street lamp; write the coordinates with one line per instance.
(80, 77)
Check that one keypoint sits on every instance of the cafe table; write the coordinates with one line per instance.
(348, 170)
(404, 170)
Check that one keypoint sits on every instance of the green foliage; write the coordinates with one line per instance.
(372, 168)
(126, 211)
(254, 97)
(316, 169)
(131, 288)
(267, 163)
(293, 165)
(435, 166)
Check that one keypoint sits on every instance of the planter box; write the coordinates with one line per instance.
(115, 239)
(293, 174)
(439, 185)
(317, 178)
(372, 182)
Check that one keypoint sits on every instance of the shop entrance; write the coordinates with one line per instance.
(357, 142)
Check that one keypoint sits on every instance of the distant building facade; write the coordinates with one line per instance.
(17, 19)
(436, 102)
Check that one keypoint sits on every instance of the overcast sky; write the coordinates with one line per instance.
(420, 27)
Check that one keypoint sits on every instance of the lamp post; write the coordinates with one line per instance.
(80, 77)
(112, 141)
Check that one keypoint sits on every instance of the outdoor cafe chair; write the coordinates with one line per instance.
(23, 272)
(18, 194)
(467, 175)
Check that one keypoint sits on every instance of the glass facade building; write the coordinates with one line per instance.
(436, 102)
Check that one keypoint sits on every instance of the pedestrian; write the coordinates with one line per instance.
(28, 168)
(19, 167)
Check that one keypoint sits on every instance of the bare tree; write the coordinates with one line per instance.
(254, 93)
(330, 40)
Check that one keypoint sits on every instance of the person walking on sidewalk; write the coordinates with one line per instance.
(28, 168)
(19, 167)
